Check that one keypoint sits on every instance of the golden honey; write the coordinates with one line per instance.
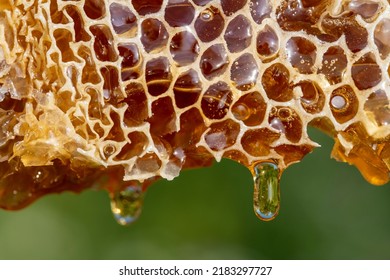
(137, 90)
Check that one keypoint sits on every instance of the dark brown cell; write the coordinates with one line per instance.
(312, 3)
(214, 61)
(377, 105)
(79, 30)
(258, 142)
(313, 98)
(184, 48)
(293, 16)
(222, 135)
(238, 34)
(130, 59)
(137, 110)
(344, 103)
(201, 2)
(244, 72)
(334, 63)
(216, 101)
(179, 13)
(158, 75)
(301, 54)
(229, 7)
(365, 72)
(138, 143)
(250, 109)
(154, 35)
(293, 153)
(260, 10)
(267, 44)
(103, 43)
(111, 89)
(144, 7)
(187, 89)
(122, 19)
(209, 24)
(163, 120)
(366, 9)
(382, 37)
(95, 9)
(285, 120)
(276, 83)
(356, 36)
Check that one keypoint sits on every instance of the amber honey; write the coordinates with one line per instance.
(138, 90)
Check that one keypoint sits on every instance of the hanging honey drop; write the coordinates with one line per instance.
(266, 196)
(126, 205)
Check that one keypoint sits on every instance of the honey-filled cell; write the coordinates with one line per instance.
(138, 90)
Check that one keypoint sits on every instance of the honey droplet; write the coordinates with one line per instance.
(266, 196)
(126, 205)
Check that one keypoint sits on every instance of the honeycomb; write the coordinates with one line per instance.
(126, 92)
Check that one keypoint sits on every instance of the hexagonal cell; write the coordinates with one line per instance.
(377, 105)
(122, 19)
(238, 34)
(250, 109)
(158, 75)
(258, 142)
(286, 121)
(313, 98)
(187, 89)
(209, 24)
(229, 7)
(214, 61)
(131, 58)
(344, 103)
(163, 120)
(244, 72)
(267, 44)
(179, 13)
(365, 8)
(382, 37)
(137, 110)
(334, 64)
(301, 54)
(184, 48)
(260, 10)
(95, 9)
(216, 101)
(276, 83)
(201, 2)
(293, 153)
(365, 72)
(145, 7)
(222, 135)
(154, 36)
(191, 129)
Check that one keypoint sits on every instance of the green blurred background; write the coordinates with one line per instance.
(328, 212)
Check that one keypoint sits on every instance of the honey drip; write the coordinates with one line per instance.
(266, 195)
(138, 90)
(126, 204)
